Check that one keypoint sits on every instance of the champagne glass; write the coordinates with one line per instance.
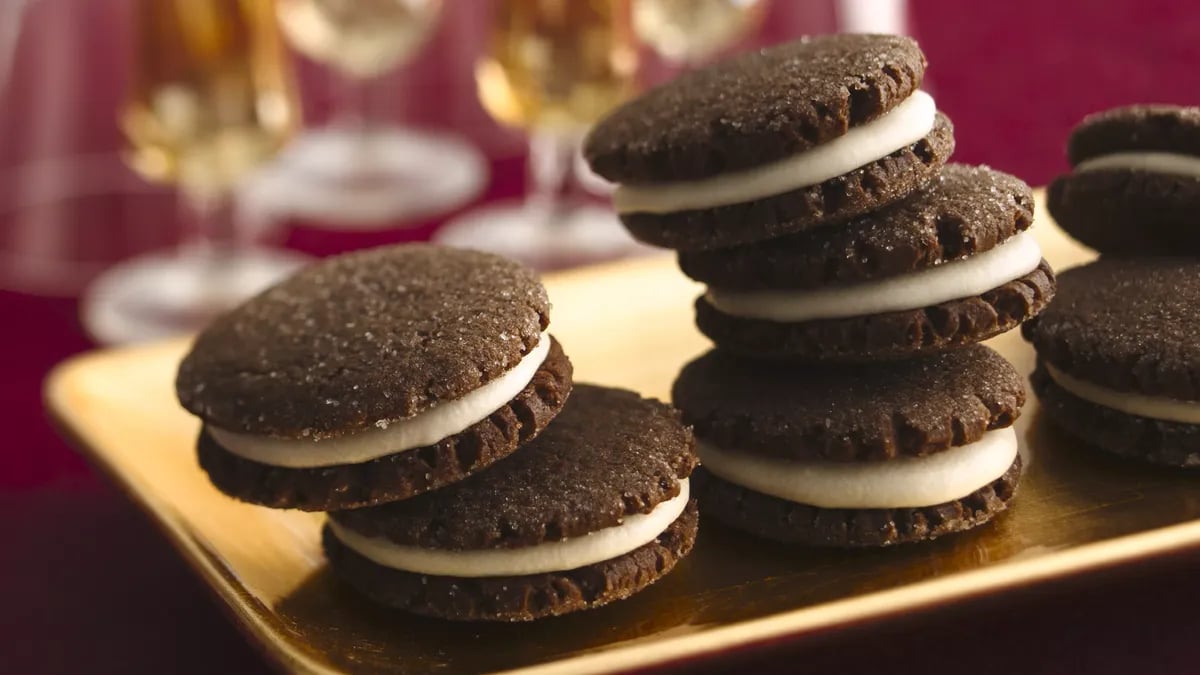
(356, 172)
(553, 67)
(211, 97)
(689, 32)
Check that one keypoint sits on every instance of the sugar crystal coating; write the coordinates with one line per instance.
(963, 211)
(610, 453)
(755, 108)
(849, 413)
(363, 339)
(1127, 324)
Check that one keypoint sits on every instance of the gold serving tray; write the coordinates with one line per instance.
(628, 324)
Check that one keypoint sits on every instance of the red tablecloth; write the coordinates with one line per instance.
(87, 585)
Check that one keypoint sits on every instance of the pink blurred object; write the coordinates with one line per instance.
(1016, 76)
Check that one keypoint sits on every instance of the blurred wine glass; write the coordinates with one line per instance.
(210, 97)
(690, 32)
(10, 29)
(553, 68)
(357, 172)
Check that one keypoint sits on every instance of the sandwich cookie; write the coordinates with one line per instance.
(374, 376)
(1119, 358)
(865, 455)
(777, 141)
(949, 266)
(593, 510)
(1134, 187)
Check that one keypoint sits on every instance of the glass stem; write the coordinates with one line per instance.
(350, 101)
(352, 113)
(211, 236)
(551, 158)
(208, 220)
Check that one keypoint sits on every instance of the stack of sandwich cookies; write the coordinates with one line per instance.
(414, 393)
(951, 265)
(1119, 357)
(593, 510)
(1118, 353)
(1134, 187)
(374, 377)
(779, 141)
(851, 273)
(868, 455)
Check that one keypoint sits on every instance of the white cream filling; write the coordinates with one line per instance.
(1130, 403)
(387, 438)
(553, 556)
(963, 278)
(898, 483)
(907, 123)
(1153, 162)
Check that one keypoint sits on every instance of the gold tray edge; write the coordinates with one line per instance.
(880, 605)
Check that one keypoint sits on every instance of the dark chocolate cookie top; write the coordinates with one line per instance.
(867, 412)
(1155, 128)
(1128, 324)
(755, 108)
(364, 338)
(610, 453)
(1128, 212)
(965, 210)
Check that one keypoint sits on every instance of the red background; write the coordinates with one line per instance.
(85, 583)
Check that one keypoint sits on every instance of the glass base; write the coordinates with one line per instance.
(577, 236)
(164, 294)
(369, 179)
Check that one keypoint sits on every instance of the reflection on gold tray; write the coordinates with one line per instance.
(627, 324)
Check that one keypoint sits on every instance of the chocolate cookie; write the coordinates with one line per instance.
(774, 142)
(884, 336)
(520, 598)
(859, 191)
(854, 455)
(755, 108)
(1119, 357)
(592, 510)
(1126, 324)
(374, 376)
(1135, 181)
(963, 211)
(854, 413)
(949, 266)
(398, 475)
(1147, 128)
(780, 520)
(1132, 436)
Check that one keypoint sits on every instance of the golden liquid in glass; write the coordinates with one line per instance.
(557, 63)
(211, 94)
(690, 30)
(362, 38)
